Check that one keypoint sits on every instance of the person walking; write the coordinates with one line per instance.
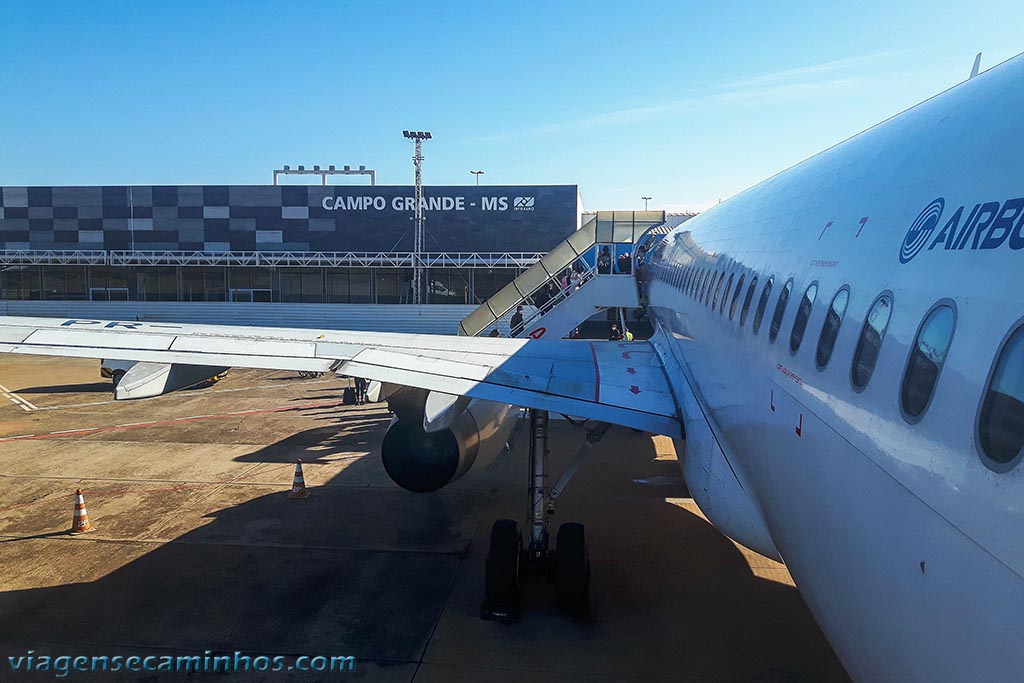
(361, 388)
(552, 290)
(616, 333)
(604, 261)
(516, 322)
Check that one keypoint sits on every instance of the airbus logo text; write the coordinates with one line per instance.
(988, 225)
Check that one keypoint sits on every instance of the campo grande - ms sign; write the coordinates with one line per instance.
(378, 203)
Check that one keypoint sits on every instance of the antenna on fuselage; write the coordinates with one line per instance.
(977, 65)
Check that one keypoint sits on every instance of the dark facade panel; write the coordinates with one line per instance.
(278, 218)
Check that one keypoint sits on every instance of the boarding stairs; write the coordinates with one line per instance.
(556, 316)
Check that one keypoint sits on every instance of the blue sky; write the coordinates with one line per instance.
(684, 102)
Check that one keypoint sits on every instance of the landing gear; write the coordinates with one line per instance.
(572, 569)
(509, 564)
(503, 600)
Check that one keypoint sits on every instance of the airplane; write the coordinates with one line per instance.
(838, 354)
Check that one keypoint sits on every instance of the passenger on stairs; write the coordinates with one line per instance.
(623, 263)
(516, 322)
(604, 261)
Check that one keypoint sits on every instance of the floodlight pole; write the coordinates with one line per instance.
(646, 199)
(417, 267)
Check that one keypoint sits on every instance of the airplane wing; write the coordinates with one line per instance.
(617, 382)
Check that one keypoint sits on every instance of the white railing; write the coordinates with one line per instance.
(563, 293)
(27, 257)
(382, 259)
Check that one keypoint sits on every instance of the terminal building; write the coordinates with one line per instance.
(290, 243)
(295, 255)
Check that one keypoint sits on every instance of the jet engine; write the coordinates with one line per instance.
(420, 459)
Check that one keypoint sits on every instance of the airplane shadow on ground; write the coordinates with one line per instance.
(320, 444)
(394, 578)
(92, 387)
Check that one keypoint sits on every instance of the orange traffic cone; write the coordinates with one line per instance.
(80, 522)
(298, 483)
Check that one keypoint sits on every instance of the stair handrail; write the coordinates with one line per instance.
(586, 276)
(601, 228)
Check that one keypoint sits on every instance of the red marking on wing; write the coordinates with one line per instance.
(631, 371)
(625, 354)
(800, 426)
(538, 333)
(635, 389)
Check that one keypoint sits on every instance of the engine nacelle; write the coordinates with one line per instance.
(145, 380)
(421, 461)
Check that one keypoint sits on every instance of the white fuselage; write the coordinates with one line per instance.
(906, 544)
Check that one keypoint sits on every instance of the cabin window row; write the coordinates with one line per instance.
(1000, 428)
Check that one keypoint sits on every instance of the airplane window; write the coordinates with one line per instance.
(711, 288)
(718, 288)
(926, 358)
(736, 297)
(796, 337)
(762, 304)
(725, 295)
(780, 310)
(870, 343)
(1001, 425)
(746, 302)
(830, 330)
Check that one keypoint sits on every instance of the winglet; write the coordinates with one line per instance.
(977, 65)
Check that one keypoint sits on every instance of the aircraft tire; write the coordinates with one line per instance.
(572, 569)
(117, 377)
(501, 580)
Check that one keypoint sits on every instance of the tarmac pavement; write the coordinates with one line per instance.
(198, 548)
